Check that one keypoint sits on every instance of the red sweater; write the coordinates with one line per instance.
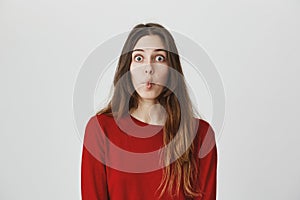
(101, 181)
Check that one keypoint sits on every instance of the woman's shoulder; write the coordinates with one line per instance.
(203, 122)
(98, 120)
(203, 126)
(103, 117)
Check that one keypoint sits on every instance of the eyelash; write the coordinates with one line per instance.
(164, 59)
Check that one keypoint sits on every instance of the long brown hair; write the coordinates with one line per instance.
(178, 121)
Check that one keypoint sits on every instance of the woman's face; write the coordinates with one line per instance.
(149, 68)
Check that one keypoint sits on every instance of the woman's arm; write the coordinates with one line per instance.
(208, 175)
(207, 158)
(93, 171)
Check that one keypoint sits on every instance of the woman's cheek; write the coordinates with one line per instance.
(163, 76)
(135, 77)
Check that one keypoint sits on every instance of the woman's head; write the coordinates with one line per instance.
(147, 54)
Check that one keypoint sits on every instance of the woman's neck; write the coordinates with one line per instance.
(149, 112)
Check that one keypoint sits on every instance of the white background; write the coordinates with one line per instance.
(255, 46)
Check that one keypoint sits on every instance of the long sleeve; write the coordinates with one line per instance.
(208, 166)
(93, 171)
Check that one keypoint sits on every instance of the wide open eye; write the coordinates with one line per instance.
(160, 58)
(138, 58)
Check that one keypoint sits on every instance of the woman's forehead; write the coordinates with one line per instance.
(149, 42)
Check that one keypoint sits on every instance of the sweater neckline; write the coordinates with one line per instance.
(143, 123)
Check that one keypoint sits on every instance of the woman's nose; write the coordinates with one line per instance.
(149, 69)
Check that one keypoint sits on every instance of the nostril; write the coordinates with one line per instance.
(150, 71)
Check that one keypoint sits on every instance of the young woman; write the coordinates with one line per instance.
(150, 109)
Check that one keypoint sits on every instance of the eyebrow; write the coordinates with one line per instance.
(154, 50)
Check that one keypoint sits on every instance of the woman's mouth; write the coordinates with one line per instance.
(149, 85)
